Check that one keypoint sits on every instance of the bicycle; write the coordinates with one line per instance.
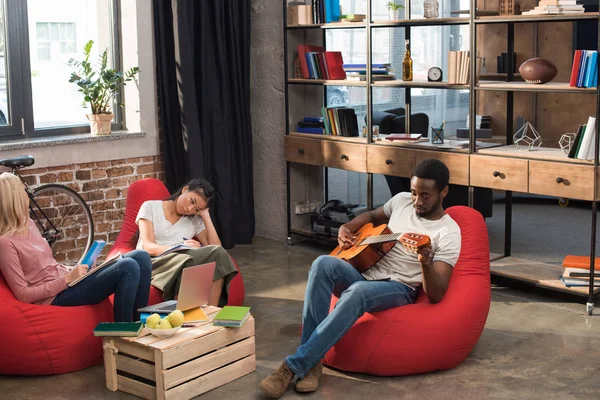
(61, 214)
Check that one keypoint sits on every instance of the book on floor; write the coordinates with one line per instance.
(130, 329)
(232, 316)
(92, 271)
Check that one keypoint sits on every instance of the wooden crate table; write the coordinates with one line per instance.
(185, 365)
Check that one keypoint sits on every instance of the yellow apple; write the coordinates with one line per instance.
(152, 320)
(163, 324)
(176, 318)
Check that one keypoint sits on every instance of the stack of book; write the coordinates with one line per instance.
(379, 72)
(316, 63)
(325, 11)
(585, 141)
(340, 121)
(584, 72)
(311, 125)
(577, 271)
(458, 67)
(556, 7)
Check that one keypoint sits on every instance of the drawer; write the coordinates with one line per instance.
(499, 173)
(561, 180)
(390, 161)
(347, 156)
(304, 151)
(458, 164)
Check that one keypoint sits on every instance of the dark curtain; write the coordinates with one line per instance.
(211, 60)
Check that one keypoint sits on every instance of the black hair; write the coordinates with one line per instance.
(200, 186)
(434, 169)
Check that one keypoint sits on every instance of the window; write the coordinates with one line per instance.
(36, 97)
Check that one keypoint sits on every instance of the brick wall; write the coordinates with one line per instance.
(103, 185)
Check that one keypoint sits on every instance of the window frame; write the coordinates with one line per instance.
(19, 90)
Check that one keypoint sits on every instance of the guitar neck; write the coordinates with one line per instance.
(381, 238)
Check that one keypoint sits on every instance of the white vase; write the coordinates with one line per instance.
(100, 124)
(394, 15)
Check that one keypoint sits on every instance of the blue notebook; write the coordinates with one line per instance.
(90, 258)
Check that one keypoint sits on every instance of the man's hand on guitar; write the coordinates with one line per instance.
(346, 238)
(426, 255)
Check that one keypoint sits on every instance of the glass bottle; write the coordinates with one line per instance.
(407, 65)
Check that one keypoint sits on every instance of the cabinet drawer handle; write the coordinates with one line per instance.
(496, 174)
(560, 180)
(344, 157)
(388, 161)
(300, 151)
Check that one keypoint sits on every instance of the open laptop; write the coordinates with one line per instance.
(194, 290)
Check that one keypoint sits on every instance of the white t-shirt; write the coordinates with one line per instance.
(166, 233)
(403, 266)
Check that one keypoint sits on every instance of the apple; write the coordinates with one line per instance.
(152, 320)
(176, 318)
(163, 324)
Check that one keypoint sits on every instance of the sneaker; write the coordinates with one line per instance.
(274, 385)
(310, 383)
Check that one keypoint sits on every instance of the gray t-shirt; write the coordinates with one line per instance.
(166, 233)
(403, 266)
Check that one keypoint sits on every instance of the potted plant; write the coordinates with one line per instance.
(394, 10)
(99, 87)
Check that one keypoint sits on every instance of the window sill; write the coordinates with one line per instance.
(67, 139)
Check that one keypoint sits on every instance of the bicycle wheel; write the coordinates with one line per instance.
(64, 220)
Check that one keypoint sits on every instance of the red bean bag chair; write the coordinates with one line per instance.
(45, 340)
(425, 337)
(153, 189)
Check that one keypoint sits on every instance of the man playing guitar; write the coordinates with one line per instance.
(393, 281)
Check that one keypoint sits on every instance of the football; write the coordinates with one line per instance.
(538, 70)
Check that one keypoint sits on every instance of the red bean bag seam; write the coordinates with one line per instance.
(46, 352)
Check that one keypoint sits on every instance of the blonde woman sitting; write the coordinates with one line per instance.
(35, 277)
(184, 218)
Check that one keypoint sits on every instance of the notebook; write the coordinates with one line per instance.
(105, 264)
(232, 316)
(178, 247)
(118, 329)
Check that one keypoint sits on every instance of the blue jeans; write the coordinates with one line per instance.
(128, 279)
(321, 329)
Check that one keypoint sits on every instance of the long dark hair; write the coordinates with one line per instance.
(199, 186)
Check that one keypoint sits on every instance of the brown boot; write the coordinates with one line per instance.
(275, 384)
(310, 383)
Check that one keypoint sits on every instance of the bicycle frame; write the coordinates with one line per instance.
(50, 233)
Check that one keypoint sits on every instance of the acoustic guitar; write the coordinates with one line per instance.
(374, 242)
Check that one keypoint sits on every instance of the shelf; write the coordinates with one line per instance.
(423, 144)
(498, 76)
(562, 87)
(542, 153)
(343, 82)
(332, 25)
(309, 234)
(502, 19)
(418, 84)
(330, 137)
(536, 273)
(421, 22)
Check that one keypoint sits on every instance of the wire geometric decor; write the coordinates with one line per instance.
(566, 142)
(527, 135)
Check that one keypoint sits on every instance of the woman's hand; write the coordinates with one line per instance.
(204, 214)
(192, 243)
(78, 271)
(345, 237)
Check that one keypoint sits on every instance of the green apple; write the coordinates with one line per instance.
(163, 324)
(152, 320)
(176, 318)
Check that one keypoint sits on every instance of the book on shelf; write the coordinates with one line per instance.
(580, 262)
(587, 143)
(340, 121)
(459, 66)
(584, 71)
(572, 282)
(116, 257)
(316, 63)
(556, 7)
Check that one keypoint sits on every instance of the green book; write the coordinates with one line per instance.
(232, 316)
(118, 329)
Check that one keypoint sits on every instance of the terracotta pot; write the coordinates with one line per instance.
(100, 123)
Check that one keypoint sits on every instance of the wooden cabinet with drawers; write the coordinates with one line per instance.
(303, 151)
(390, 161)
(561, 180)
(499, 173)
(457, 163)
(349, 156)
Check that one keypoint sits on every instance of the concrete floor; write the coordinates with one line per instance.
(535, 346)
